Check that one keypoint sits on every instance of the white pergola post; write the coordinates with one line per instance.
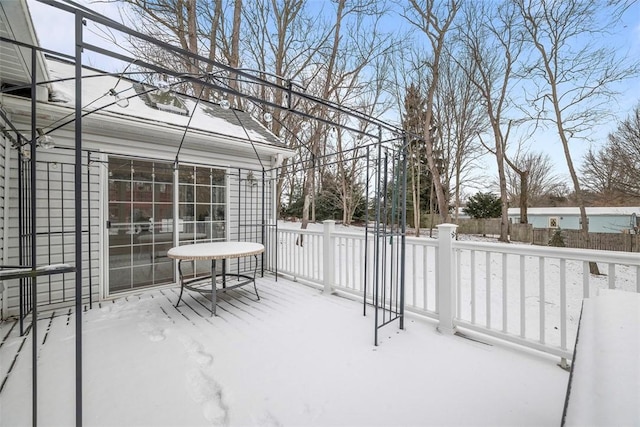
(328, 266)
(446, 278)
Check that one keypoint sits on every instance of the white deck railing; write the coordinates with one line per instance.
(528, 295)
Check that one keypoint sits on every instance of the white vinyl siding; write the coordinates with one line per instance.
(55, 228)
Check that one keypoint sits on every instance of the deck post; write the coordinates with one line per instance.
(328, 251)
(446, 278)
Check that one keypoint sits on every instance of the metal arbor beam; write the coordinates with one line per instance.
(78, 218)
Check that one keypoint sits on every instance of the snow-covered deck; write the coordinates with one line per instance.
(296, 357)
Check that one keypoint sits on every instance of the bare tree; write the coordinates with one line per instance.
(572, 72)
(413, 124)
(355, 43)
(434, 18)
(613, 171)
(460, 117)
(493, 41)
(530, 179)
(408, 93)
(625, 143)
(368, 99)
(601, 172)
(288, 57)
(197, 26)
(172, 22)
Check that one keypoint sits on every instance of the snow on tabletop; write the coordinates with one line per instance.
(605, 387)
(215, 250)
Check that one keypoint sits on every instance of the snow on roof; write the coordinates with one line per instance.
(619, 210)
(15, 63)
(204, 116)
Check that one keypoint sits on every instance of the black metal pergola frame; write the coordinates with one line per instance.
(390, 215)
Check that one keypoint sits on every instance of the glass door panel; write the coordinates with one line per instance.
(140, 224)
(201, 210)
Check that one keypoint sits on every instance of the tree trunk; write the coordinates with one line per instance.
(305, 207)
(443, 206)
(504, 217)
(414, 192)
(192, 38)
(234, 59)
(431, 216)
(524, 197)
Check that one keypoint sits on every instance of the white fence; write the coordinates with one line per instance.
(528, 295)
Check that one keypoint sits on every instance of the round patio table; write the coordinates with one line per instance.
(216, 251)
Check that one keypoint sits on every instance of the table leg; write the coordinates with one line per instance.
(214, 293)
(181, 281)
(254, 276)
(224, 273)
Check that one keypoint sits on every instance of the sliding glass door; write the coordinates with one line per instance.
(141, 216)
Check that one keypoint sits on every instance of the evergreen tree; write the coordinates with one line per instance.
(484, 205)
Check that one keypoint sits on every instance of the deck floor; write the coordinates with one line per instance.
(296, 357)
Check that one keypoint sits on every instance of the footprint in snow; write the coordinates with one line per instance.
(196, 352)
(151, 331)
(268, 420)
(207, 392)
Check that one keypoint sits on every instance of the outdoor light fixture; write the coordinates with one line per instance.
(268, 117)
(25, 153)
(120, 101)
(225, 104)
(163, 87)
(45, 141)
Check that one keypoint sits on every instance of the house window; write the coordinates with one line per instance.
(553, 222)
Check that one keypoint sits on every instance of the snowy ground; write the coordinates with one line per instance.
(294, 358)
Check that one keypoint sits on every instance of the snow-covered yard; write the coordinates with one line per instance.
(296, 357)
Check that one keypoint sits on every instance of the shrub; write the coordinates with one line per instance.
(557, 239)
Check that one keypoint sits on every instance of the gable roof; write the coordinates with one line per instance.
(188, 112)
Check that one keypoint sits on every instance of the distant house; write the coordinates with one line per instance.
(139, 197)
(601, 219)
